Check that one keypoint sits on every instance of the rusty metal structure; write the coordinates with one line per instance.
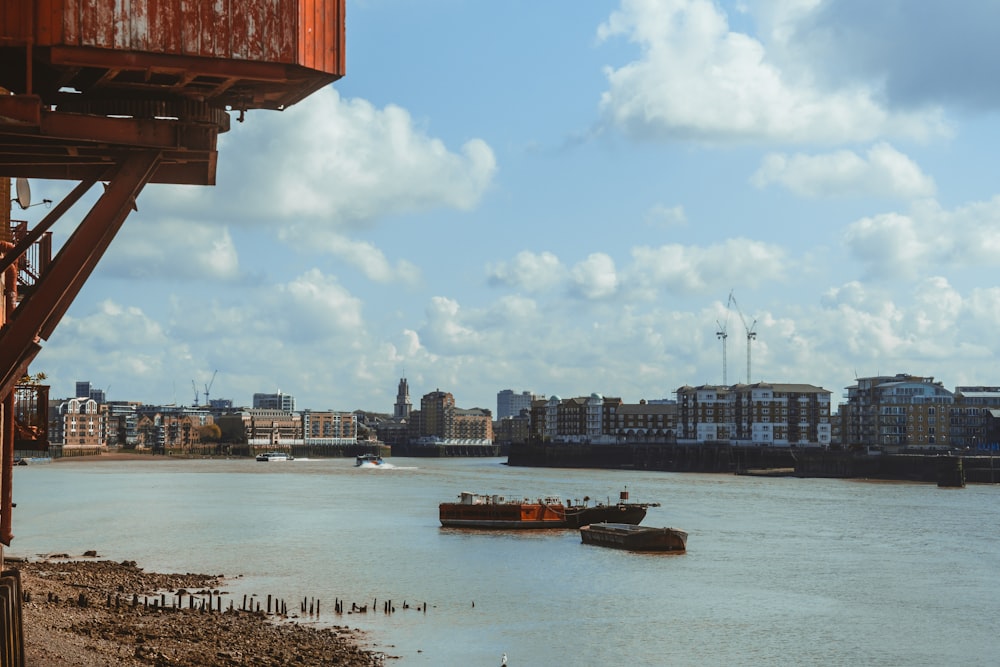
(124, 92)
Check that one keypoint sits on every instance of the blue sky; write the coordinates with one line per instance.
(559, 197)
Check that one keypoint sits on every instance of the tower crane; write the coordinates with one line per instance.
(751, 334)
(722, 335)
(195, 387)
(208, 387)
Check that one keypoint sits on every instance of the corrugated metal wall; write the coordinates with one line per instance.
(298, 32)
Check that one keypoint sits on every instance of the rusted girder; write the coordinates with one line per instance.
(38, 313)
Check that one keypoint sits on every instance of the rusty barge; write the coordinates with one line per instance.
(475, 510)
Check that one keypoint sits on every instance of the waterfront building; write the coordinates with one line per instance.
(591, 419)
(392, 432)
(437, 416)
(704, 413)
(163, 427)
(510, 430)
(121, 423)
(647, 421)
(971, 418)
(510, 404)
(329, 428)
(601, 420)
(474, 425)
(262, 426)
(781, 415)
(892, 412)
(77, 423)
(440, 421)
(760, 414)
(277, 401)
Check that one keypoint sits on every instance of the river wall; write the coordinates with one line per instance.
(944, 469)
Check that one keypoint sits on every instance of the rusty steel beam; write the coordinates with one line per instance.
(38, 314)
(50, 219)
(38, 143)
(7, 470)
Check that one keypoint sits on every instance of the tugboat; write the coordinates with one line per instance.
(492, 511)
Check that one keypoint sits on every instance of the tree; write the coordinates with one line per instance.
(210, 433)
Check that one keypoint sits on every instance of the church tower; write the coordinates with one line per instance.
(403, 406)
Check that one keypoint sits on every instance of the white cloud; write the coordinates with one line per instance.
(113, 325)
(529, 271)
(363, 256)
(339, 161)
(682, 269)
(899, 245)
(173, 249)
(315, 305)
(678, 269)
(882, 172)
(666, 216)
(697, 79)
(595, 277)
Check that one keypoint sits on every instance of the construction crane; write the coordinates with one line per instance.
(751, 334)
(208, 387)
(722, 335)
(195, 387)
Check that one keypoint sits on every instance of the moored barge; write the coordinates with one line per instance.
(493, 511)
(634, 538)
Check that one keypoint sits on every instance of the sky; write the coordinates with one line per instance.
(569, 197)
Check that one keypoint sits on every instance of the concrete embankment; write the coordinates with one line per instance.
(773, 461)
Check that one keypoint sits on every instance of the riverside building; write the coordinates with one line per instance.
(893, 412)
(762, 414)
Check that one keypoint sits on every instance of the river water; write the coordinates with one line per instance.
(778, 571)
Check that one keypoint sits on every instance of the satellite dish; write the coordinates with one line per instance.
(23, 193)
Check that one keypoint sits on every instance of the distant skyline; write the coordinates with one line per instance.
(559, 197)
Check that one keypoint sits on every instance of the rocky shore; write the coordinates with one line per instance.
(96, 613)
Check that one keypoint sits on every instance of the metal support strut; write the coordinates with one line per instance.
(38, 314)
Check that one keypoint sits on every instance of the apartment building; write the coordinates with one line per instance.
(262, 426)
(474, 424)
(781, 415)
(510, 430)
(277, 401)
(972, 419)
(704, 413)
(439, 421)
(760, 414)
(162, 427)
(77, 422)
(329, 428)
(510, 404)
(121, 423)
(647, 421)
(893, 412)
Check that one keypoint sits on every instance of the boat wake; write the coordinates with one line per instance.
(384, 466)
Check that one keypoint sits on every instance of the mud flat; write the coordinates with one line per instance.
(97, 613)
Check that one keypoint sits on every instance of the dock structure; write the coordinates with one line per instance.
(125, 94)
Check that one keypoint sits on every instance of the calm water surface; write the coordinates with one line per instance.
(778, 571)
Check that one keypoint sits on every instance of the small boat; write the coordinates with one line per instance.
(483, 511)
(275, 456)
(634, 538)
(370, 459)
(31, 460)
